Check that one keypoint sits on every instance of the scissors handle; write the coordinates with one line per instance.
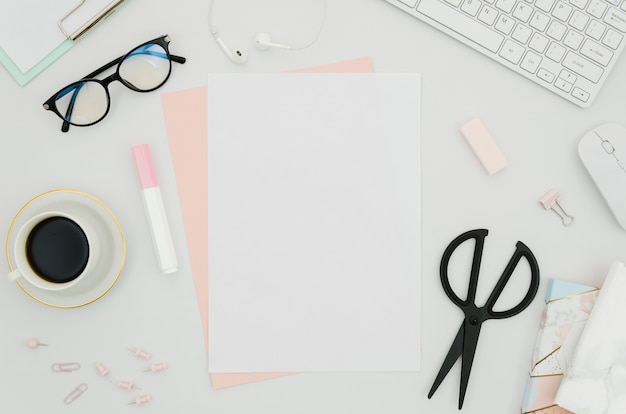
(479, 236)
(521, 251)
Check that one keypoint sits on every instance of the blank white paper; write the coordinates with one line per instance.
(314, 222)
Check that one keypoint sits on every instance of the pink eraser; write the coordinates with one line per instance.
(145, 168)
(483, 146)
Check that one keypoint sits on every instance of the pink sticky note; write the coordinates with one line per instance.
(186, 123)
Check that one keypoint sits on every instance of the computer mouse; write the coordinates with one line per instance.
(603, 153)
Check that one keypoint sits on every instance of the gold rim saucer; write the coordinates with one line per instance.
(67, 198)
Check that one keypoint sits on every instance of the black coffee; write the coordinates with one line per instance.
(57, 249)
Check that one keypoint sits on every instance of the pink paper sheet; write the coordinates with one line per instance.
(186, 123)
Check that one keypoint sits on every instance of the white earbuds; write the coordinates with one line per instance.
(234, 55)
(263, 41)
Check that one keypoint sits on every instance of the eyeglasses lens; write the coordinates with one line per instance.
(145, 68)
(82, 103)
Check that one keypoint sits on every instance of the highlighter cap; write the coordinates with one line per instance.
(145, 167)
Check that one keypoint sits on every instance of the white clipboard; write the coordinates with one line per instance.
(36, 33)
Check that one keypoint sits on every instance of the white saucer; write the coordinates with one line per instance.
(112, 256)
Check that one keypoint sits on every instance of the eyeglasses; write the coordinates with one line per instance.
(87, 101)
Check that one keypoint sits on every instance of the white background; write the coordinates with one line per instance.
(536, 130)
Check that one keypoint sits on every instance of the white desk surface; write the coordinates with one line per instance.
(537, 131)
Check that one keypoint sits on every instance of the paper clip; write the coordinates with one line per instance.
(551, 201)
(75, 393)
(65, 366)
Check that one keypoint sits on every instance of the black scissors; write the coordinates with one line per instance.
(464, 344)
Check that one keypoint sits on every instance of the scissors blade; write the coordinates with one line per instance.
(456, 349)
(470, 341)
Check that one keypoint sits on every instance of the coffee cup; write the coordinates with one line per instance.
(55, 250)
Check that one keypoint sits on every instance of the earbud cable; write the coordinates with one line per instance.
(215, 31)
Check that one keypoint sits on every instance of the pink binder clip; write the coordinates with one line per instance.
(550, 201)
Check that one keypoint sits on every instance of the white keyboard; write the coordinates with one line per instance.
(567, 46)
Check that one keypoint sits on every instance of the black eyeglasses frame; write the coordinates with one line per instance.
(162, 41)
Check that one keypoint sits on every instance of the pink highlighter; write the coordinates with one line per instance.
(153, 203)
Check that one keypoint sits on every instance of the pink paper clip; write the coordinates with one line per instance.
(65, 366)
(75, 393)
(550, 201)
(142, 399)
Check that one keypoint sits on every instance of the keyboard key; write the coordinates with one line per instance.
(471, 7)
(488, 15)
(455, 3)
(583, 67)
(596, 52)
(597, 8)
(531, 62)
(545, 75)
(410, 3)
(595, 30)
(465, 26)
(505, 24)
(617, 19)
(512, 51)
(505, 5)
(563, 85)
(539, 21)
(612, 39)
(521, 33)
(579, 20)
(573, 39)
(538, 42)
(545, 5)
(523, 12)
(580, 94)
(568, 76)
(555, 52)
(556, 30)
(581, 4)
(562, 11)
